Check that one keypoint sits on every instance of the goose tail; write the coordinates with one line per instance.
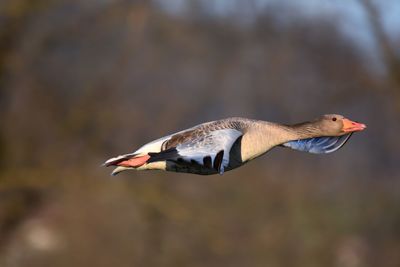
(126, 162)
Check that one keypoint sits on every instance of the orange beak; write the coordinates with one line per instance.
(351, 126)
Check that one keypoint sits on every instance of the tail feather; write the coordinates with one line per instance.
(133, 161)
(114, 161)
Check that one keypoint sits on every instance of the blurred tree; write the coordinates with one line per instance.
(14, 17)
(17, 202)
(390, 56)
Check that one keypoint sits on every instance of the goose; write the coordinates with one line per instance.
(223, 145)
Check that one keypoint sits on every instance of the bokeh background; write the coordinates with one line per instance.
(82, 81)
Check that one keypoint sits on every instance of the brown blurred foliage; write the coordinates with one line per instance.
(81, 81)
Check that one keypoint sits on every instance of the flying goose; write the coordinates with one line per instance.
(222, 145)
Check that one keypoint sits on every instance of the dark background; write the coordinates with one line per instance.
(82, 81)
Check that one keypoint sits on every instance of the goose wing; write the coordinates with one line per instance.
(207, 147)
(319, 145)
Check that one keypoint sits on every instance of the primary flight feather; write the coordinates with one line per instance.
(219, 146)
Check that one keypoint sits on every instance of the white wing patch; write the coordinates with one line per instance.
(153, 146)
(210, 144)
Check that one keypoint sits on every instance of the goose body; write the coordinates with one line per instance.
(222, 145)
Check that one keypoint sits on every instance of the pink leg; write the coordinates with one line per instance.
(134, 162)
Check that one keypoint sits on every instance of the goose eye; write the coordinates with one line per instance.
(334, 119)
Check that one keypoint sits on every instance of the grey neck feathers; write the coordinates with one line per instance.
(261, 136)
(304, 130)
(276, 134)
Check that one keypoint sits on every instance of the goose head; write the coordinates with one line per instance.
(337, 125)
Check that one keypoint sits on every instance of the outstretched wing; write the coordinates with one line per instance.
(319, 145)
(208, 148)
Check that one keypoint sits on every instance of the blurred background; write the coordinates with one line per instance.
(82, 81)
